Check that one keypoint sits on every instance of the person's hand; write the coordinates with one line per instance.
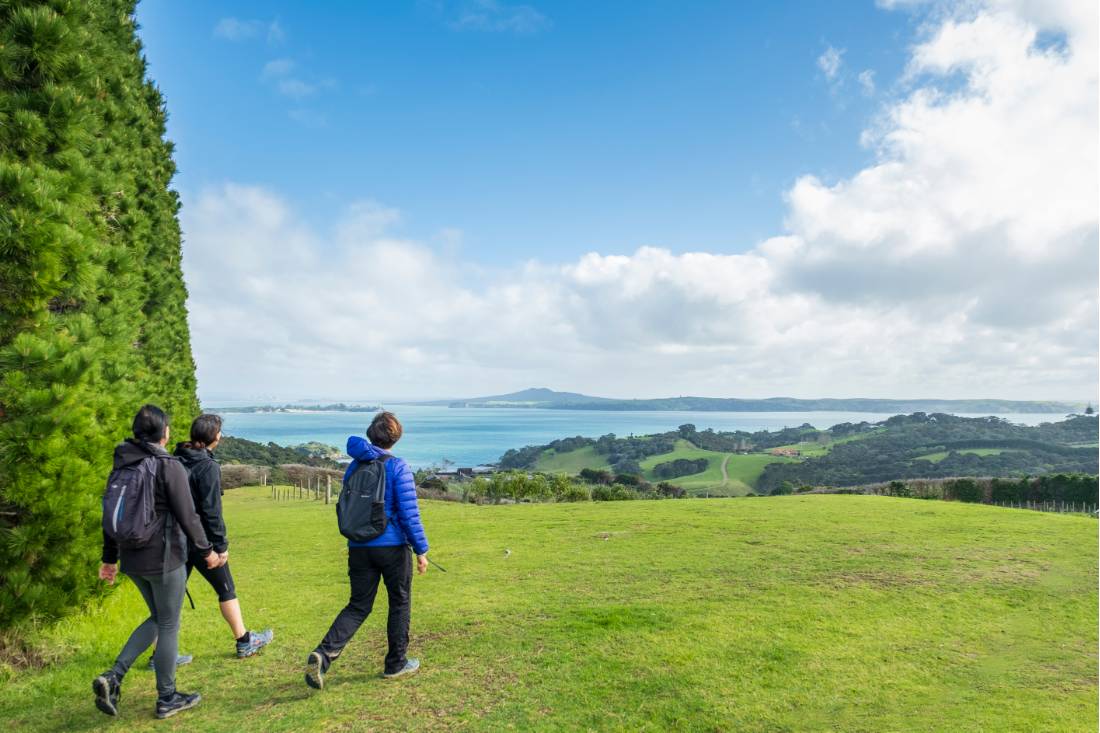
(213, 560)
(421, 564)
(108, 572)
(224, 557)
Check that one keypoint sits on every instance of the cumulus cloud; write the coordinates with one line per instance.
(962, 262)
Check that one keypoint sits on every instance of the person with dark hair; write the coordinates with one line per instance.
(205, 477)
(147, 513)
(384, 558)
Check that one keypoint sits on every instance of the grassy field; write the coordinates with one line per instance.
(570, 462)
(799, 613)
(939, 456)
(742, 469)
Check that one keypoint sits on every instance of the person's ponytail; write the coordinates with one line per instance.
(204, 431)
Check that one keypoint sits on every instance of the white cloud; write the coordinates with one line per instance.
(961, 263)
(236, 29)
(867, 82)
(277, 68)
(295, 88)
(278, 73)
(830, 61)
(498, 17)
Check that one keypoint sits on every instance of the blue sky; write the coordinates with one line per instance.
(460, 197)
(581, 126)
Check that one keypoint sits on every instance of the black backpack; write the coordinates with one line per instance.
(361, 508)
(129, 503)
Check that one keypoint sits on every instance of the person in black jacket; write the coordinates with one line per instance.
(156, 568)
(205, 478)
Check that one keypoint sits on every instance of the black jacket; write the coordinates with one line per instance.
(172, 495)
(205, 476)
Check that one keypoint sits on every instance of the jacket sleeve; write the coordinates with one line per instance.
(408, 510)
(110, 550)
(182, 506)
(206, 488)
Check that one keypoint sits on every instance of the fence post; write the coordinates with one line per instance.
(328, 489)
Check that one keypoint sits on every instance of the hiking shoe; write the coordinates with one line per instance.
(257, 640)
(107, 688)
(410, 667)
(181, 660)
(315, 670)
(179, 701)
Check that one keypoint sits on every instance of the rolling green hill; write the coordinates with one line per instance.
(801, 613)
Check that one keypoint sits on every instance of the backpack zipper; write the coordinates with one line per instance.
(118, 508)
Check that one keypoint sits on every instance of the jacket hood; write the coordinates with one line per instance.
(191, 457)
(132, 451)
(361, 450)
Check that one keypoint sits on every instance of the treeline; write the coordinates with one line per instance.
(897, 452)
(238, 450)
(1067, 488)
(625, 455)
(521, 486)
(237, 475)
(680, 467)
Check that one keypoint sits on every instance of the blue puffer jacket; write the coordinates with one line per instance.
(403, 513)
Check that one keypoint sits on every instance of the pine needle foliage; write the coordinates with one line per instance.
(93, 315)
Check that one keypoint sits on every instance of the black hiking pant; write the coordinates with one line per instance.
(366, 566)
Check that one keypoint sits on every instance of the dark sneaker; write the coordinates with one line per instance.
(411, 666)
(315, 670)
(181, 660)
(257, 640)
(178, 702)
(107, 689)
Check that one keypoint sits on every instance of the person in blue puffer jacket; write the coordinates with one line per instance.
(384, 558)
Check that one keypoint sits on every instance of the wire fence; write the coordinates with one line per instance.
(312, 489)
(1059, 507)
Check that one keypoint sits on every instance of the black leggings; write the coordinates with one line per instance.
(220, 579)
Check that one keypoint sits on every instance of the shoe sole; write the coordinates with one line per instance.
(102, 689)
(180, 709)
(402, 673)
(253, 650)
(315, 678)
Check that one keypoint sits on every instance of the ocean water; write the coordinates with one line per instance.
(474, 436)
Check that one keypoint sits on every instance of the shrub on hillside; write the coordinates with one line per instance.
(575, 492)
(963, 489)
(614, 492)
(92, 302)
(680, 467)
(238, 475)
(596, 476)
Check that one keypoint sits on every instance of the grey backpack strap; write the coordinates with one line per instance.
(168, 524)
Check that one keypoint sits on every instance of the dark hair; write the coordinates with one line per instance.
(150, 424)
(204, 430)
(384, 430)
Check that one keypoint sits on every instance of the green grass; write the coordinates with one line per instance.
(743, 469)
(940, 455)
(800, 613)
(570, 462)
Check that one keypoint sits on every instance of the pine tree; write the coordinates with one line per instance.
(92, 301)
